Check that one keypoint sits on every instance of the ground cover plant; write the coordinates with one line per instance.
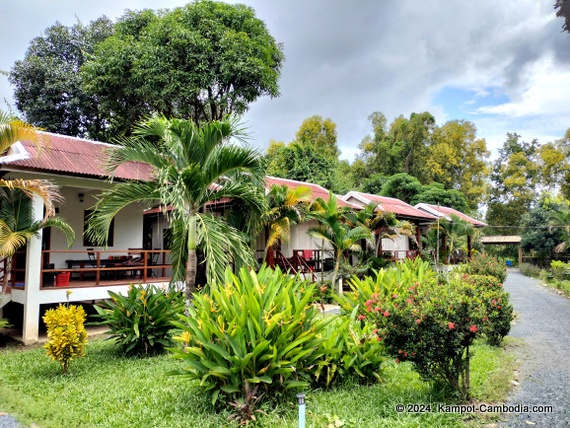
(140, 322)
(486, 265)
(107, 389)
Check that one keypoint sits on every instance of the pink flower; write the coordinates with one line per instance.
(418, 321)
(375, 331)
(405, 354)
(361, 317)
(377, 309)
(397, 361)
(451, 325)
(394, 296)
(368, 303)
(386, 313)
(473, 329)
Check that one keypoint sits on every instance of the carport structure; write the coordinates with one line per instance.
(504, 240)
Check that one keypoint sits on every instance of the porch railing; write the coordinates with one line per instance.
(108, 265)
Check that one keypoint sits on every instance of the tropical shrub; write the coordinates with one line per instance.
(497, 312)
(355, 352)
(261, 328)
(141, 321)
(559, 270)
(485, 265)
(529, 269)
(386, 282)
(66, 333)
(4, 323)
(432, 326)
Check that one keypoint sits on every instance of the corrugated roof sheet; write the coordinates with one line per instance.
(396, 206)
(446, 212)
(316, 190)
(63, 155)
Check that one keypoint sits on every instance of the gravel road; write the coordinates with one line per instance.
(7, 421)
(543, 321)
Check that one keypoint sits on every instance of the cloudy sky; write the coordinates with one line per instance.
(504, 65)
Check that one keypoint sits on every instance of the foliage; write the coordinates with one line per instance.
(563, 11)
(355, 353)
(497, 311)
(436, 193)
(194, 166)
(3, 321)
(385, 283)
(335, 229)
(535, 236)
(261, 328)
(486, 265)
(66, 333)
(401, 186)
(529, 269)
(159, 401)
(453, 229)
(199, 62)
(246, 407)
(140, 322)
(48, 87)
(432, 326)
(559, 270)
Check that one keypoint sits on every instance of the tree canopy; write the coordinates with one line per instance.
(47, 85)
(198, 62)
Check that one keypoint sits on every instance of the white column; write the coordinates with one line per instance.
(30, 330)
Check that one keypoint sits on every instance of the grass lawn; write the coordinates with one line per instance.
(107, 390)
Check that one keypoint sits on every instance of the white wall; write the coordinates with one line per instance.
(301, 240)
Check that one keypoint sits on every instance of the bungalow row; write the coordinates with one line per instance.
(46, 269)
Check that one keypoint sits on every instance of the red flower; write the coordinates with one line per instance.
(498, 307)
(394, 296)
(418, 321)
(361, 317)
(397, 361)
(451, 325)
(386, 313)
(405, 354)
(473, 329)
(377, 309)
(375, 331)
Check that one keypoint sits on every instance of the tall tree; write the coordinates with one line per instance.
(437, 194)
(457, 159)
(401, 186)
(514, 181)
(47, 85)
(193, 166)
(198, 62)
(563, 11)
(312, 157)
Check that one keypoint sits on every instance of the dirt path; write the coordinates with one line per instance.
(543, 321)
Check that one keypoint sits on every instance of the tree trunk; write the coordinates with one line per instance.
(7, 270)
(335, 274)
(191, 264)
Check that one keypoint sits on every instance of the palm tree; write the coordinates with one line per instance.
(192, 166)
(285, 208)
(453, 230)
(336, 230)
(17, 225)
(561, 219)
(383, 224)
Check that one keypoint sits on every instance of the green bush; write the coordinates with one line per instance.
(432, 326)
(360, 353)
(485, 265)
(141, 321)
(497, 312)
(66, 333)
(530, 270)
(559, 271)
(261, 328)
(386, 282)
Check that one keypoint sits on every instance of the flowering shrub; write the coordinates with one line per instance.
(386, 283)
(529, 270)
(66, 333)
(486, 265)
(261, 328)
(354, 352)
(497, 312)
(141, 321)
(432, 326)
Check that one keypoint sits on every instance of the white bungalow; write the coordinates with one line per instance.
(45, 270)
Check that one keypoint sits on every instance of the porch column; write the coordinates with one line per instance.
(30, 329)
(418, 237)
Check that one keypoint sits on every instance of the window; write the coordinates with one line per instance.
(86, 241)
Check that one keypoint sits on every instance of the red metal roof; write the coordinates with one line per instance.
(446, 212)
(63, 155)
(316, 190)
(396, 206)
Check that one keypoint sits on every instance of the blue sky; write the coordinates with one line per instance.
(503, 65)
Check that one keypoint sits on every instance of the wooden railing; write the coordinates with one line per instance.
(106, 263)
